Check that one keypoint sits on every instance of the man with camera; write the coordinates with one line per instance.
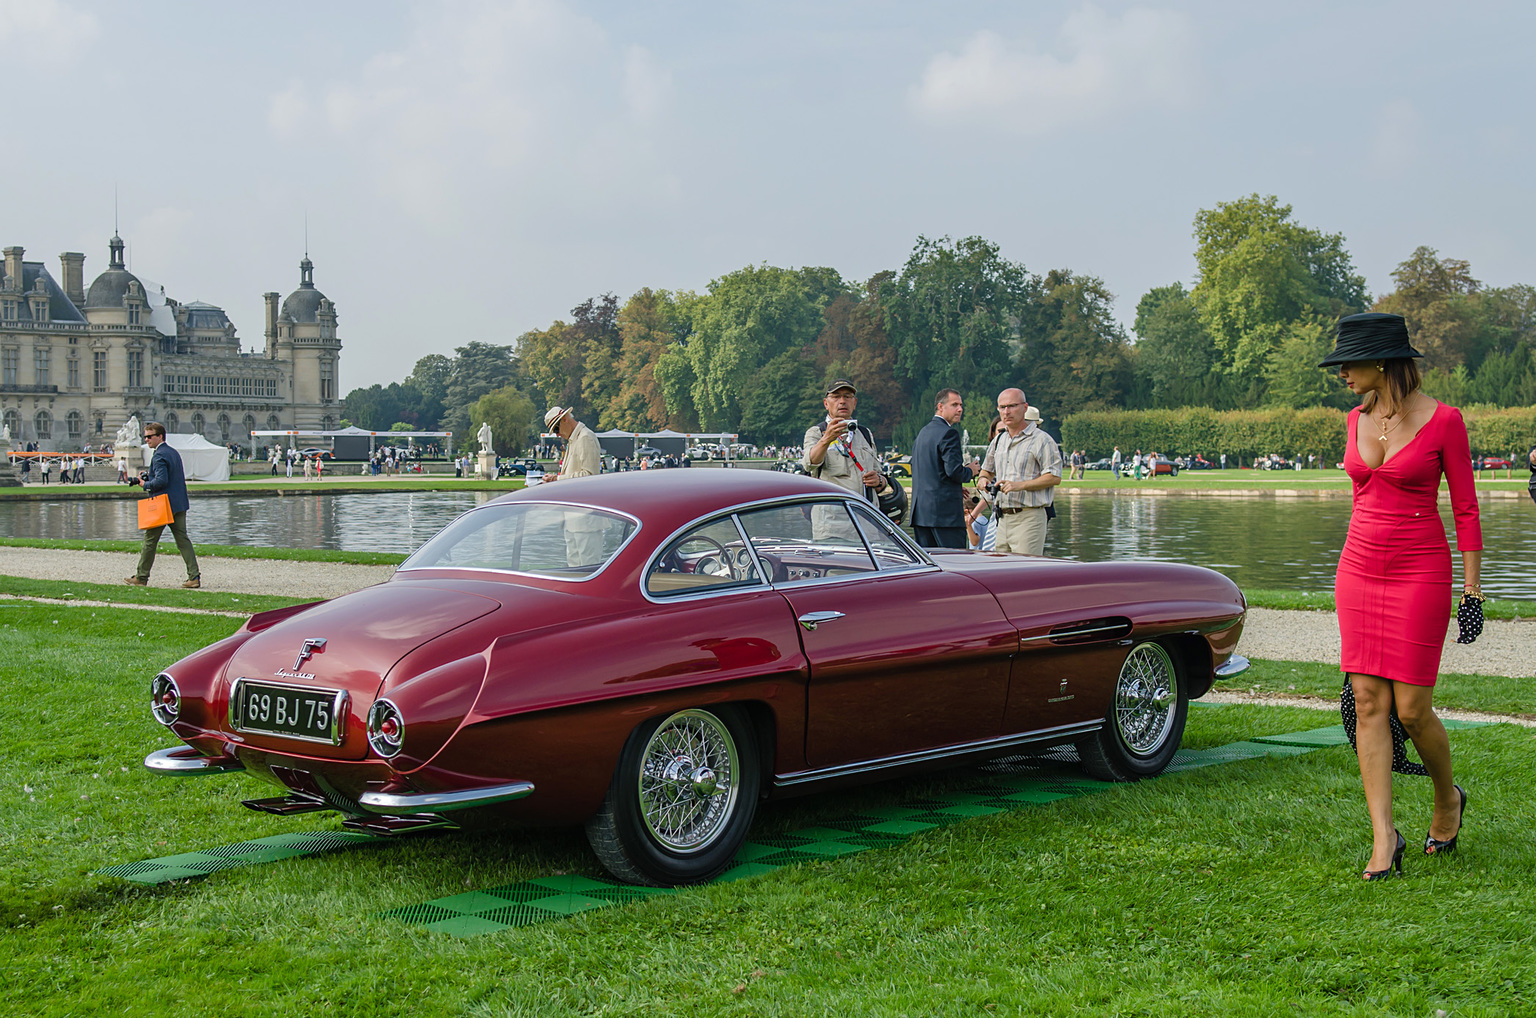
(840, 450)
(165, 477)
(1023, 464)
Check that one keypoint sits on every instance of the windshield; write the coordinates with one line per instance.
(563, 541)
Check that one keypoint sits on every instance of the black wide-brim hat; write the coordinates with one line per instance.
(1370, 337)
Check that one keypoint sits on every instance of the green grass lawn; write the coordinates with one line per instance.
(1230, 890)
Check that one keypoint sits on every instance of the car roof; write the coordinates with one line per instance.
(667, 499)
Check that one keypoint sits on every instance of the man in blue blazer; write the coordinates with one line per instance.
(165, 477)
(938, 471)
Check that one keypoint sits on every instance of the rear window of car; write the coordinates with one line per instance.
(544, 539)
(707, 558)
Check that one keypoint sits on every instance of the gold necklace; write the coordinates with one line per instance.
(1382, 423)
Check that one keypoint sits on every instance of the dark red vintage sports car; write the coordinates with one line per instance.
(652, 654)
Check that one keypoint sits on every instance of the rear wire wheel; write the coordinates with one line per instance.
(1146, 718)
(682, 798)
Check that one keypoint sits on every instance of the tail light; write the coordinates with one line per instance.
(386, 728)
(165, 699)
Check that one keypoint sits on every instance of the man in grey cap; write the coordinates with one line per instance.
(583, 458)
(842, 451)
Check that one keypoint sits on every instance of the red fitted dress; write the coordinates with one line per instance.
(1393, 590)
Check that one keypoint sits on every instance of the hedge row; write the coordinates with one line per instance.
(1246, 434)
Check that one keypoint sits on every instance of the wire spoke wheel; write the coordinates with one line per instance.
(1145, 723)
(688, 781)
(1146, 695)
(682, 798)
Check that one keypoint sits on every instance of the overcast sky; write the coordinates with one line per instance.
(471, 170)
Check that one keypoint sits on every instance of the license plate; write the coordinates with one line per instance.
(295, 712)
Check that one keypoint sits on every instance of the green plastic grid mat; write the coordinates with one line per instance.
(245, 853)
(1007, 784)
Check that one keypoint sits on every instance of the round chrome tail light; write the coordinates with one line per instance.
(164, 699)
(386, 728)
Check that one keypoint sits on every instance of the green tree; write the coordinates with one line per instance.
(649, 323)
(1260, 272)
(1438, 298)
(853, 344)
(774, 402)
(429, 378)
(952, 314)
(1175, 359)
(1293, 378)
(1073, 355)
(748, 318)
(1504, 379)
(372, 408)
(594, 330)
(511, 415)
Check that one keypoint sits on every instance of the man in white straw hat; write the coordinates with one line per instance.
(583, 458)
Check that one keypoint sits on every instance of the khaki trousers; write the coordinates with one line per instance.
(1022, 532)
(178, 526)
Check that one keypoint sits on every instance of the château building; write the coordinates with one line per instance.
(75, 363)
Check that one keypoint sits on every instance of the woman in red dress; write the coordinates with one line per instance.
(1393, 592)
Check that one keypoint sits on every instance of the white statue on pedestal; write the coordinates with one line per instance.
(129, 433)
(484, 435)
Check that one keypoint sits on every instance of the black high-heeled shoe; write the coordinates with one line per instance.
(1397, 860)
(1435, 847)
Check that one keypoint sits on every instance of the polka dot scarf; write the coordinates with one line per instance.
(1400, 762)
(1469, 616)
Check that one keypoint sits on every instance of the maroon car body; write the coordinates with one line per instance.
(721, 651)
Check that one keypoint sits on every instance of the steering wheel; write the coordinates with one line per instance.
(725, 557)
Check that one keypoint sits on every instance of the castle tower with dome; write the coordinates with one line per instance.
(75, 363)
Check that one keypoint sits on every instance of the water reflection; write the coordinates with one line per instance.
(1285, 544)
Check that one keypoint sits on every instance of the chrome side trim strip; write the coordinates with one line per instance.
(181, 761)
(430, 802)
(1232, 666)
(1072, 634)
(943, 752)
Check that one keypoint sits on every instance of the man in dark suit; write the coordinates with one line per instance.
(165, 477)
(938, 471)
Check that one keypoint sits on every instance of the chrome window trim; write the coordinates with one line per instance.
(722, 591)
(639, 526)
(923, 564)
(885, 525)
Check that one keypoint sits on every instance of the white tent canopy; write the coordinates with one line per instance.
(201, 460)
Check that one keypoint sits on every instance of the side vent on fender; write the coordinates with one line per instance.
(1116, 627)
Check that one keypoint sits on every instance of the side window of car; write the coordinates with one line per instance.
(807, 541)
(708, 557)
(890, 553)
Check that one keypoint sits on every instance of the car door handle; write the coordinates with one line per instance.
(810, 620)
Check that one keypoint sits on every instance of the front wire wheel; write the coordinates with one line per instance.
(681, 800)
(1146, 718)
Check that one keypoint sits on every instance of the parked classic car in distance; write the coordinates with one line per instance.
(651, 654)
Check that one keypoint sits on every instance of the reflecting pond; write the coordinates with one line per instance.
(1280, 543)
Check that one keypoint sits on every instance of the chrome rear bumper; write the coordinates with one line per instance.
(183, 761)
(409, 803)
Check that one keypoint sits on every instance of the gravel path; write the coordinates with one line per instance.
(245, 576)
(1505, 648)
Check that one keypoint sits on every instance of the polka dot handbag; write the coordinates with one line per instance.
(1469, 616)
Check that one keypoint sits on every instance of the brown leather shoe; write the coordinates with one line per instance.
(193, 583)
(134, 581)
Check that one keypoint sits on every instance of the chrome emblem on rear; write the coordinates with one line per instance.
(310, 646)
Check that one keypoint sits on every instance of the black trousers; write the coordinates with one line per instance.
(940, 537)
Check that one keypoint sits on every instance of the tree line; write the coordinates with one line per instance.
(753, 353)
